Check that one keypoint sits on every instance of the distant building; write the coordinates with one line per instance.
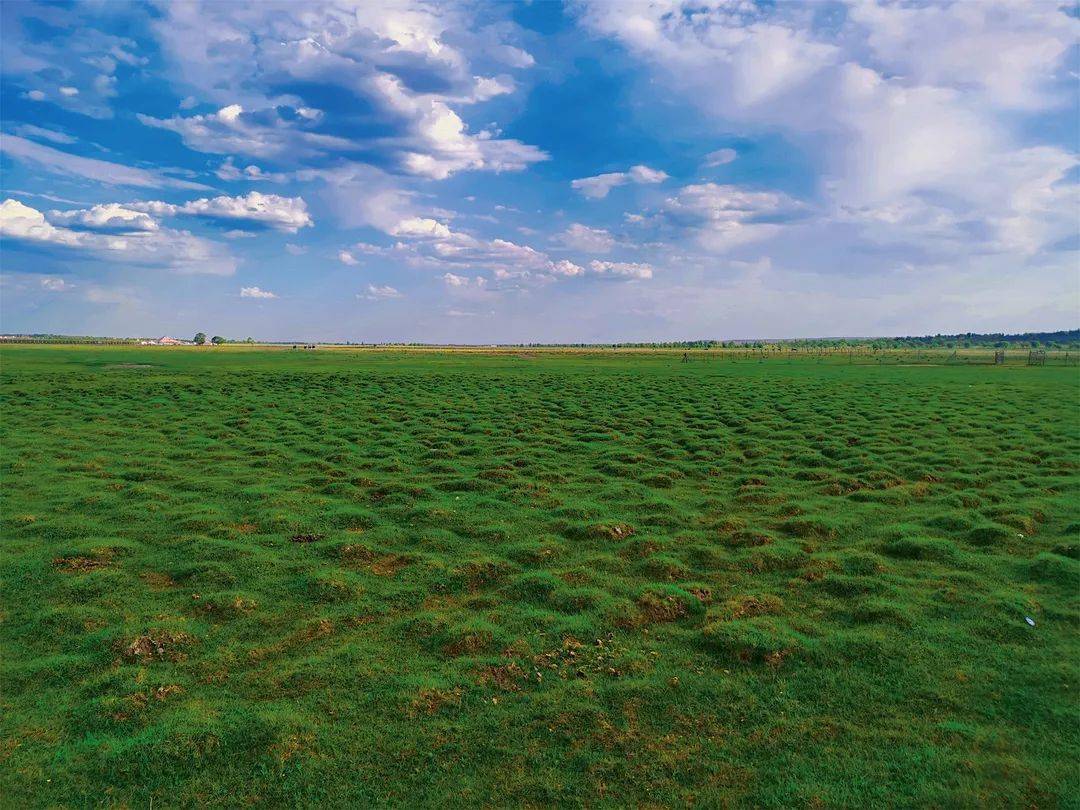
(165, 340)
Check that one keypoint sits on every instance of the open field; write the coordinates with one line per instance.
(526, 578)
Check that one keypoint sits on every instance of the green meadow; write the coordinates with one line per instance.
(349, 578)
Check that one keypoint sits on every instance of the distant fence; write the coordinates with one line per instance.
(871, 356)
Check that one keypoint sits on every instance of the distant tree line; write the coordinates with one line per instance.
(1065, 339)
(217, 340)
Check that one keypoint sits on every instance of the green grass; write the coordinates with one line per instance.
(535, 578)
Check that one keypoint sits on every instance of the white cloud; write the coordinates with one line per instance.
(265, 133)
(420, 227)
(295, 250)
(455, 252)
(110, 217)
(345, 257)
(586, 239)
(720, 157)
(629, 270)
(566, 268)
(380, 293)
(56, 284)
(176, 250)
(1001, 51)
(598, 187)
(409, 66)
(898, 103)
(230, 171)
(23, 223)
(454, 280)
(368, 249)
(288, 214)
(256, 292)
(69, 91)
(720, 217)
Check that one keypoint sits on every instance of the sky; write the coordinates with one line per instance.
(479, 172)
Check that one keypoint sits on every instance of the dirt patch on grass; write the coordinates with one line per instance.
(138, 702)
(313, 631)
(157, 645)
(611, 531)
(79, 565)
(576, 659)
(388, 565)
(743, 607)
(703, 595)
(356, 553)
(157, 580)
(383, 565)
(748, 539)
(507, 677)
(656, 609)
(306, 538)
(468, 644)
(430, 701)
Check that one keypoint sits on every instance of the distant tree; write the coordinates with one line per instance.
(217, 340)
(249, 340)
(200, 338)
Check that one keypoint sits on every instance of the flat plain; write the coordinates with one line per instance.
(530, 578)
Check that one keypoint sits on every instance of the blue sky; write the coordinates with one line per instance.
(580, 171)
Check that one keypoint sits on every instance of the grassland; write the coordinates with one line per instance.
(433, 579)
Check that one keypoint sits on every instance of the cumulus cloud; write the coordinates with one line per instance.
(19, 222)
(420, 227)
(271, 132)
(56, 284)
(406, 67)
(110, 218)
(377, 292)
(566, 268)
(228, 170)
(345, 257)
(628, 270)
(586, 239)
(597, 187)
(720, 217)
(287, 214)
(454, 280)
(256, 292)
(22, 225)
(456, 253)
